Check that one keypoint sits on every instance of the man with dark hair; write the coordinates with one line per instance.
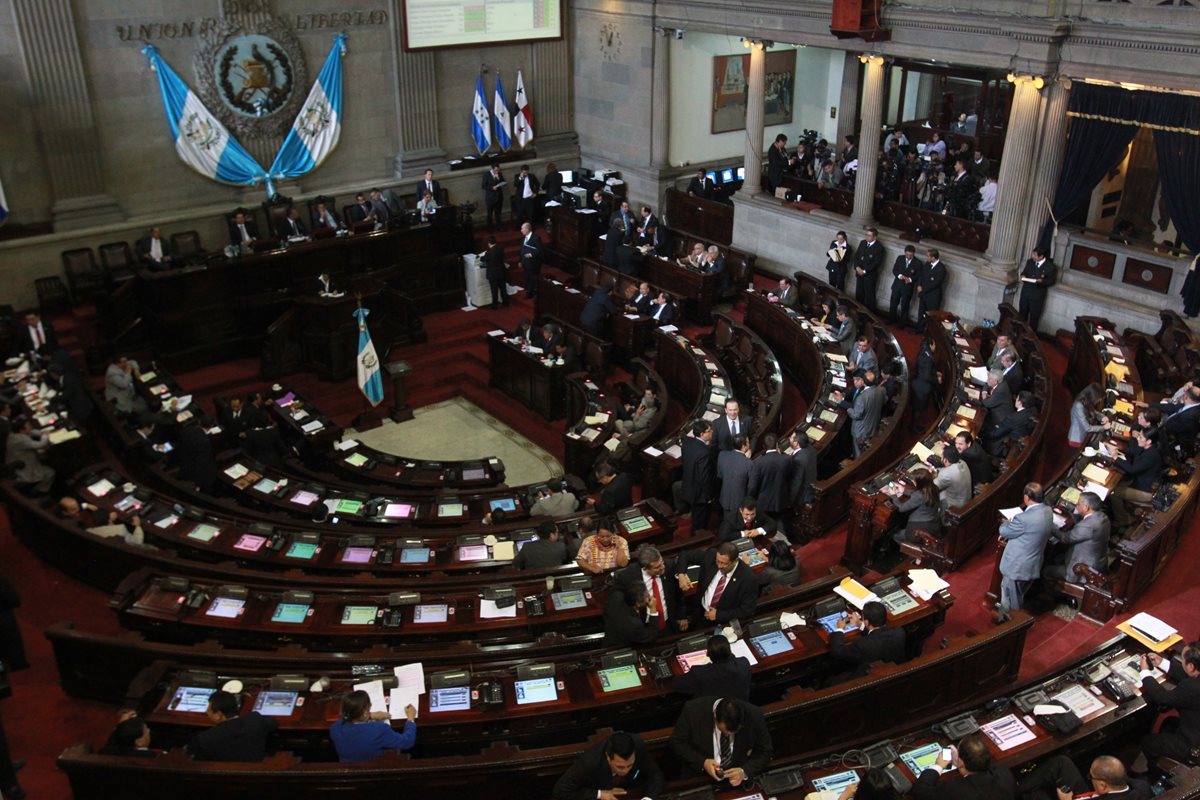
(695, 488)
(616, 489)
(877, 642)
(493, 195)
(1014, 376)
(862, 356)
(727, 588)
(232, 737)
(979, 464)
(725, 675)
(906, 271)
(525, 189)
(771, 477)
(733, 471)
(732, 423)
(532, 255)
(931, 284)
(1140, 469)
(725, 739)
(979, 778)
(1177, 739)
(864, 407)
(845, 333)
(839, 256)
(664, 600)
(745, 520)
(1015, 426)
(618, 767)
(496, 271)
(626, 622)
(545, 552)
(777, 162)
(1025, 538)
(131, 737)
(1036, 277)
(804, 468)
(868, 259)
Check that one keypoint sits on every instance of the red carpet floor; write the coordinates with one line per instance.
(41, 721)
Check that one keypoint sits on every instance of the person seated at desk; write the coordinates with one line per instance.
(120, 386)
(1086, 540)
(1003, 345)
(1106, 773)
(427, 207)
(131, 737)
(27, 446)
(831, 176)
(714, 264)
(845, 330)
(641, 301)
(545, 337)
(658, 242)
(85, 515)
(364, 735)
(151, 438)
(997, 399)
(1140, 468)
(697, 259)
(635, 419)
(1015, 426)
(385, 206)
(977, 777)
(618, 767)
(1178, 738)
(664, 310)
(243, 232)
(232, 737)
(616, 490)
(35, 335)
(292, 227)
(602, 551)
(264, 443)
(523, 331)
(746, 520)
(154, 251)
(782, 568)
(923, 506)
(979, 463)
(876, 642)
(626, 623)
(548, 550)
(1010, 366)
(554, 501)
(325, 217)
(361, 211)
(1182, 418)
(786, 296)
(725, 739)
(725, 675)
(827, 316)
(597, 310)
(952, 477)
(862, 357)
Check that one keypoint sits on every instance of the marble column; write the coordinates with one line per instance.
(1051, 151)
(62, 104)
(847, 117)
(868, 141)
(754, 120)
(417, 113)
(1016, 164)
(660, 122)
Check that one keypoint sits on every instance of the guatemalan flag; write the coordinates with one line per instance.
(523, 124)
(370, 381)
(200, 139)
(500, 112)
(318, 126)
(481, 121)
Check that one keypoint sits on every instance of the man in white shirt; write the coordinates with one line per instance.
(429, 185)
(525, 189)
(242, 231)
(987, 199)
(154, 251)
(665, 608)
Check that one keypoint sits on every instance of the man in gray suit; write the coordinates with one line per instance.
(1021, 564)
(1086, 540)
(864, 407)
(998, 399)
(845, 332)
(640, 417)
(27, 447)
(733, 471)
(119, 386)
(863, 357)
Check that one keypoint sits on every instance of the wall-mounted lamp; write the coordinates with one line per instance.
(1037, 80)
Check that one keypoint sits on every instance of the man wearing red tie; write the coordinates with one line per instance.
(35, 333)
(665, 607)
(728, 589)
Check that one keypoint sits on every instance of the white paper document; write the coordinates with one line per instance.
(489, 610)
(374, 690)
(740, 648)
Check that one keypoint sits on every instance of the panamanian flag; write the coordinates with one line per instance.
(318, 126)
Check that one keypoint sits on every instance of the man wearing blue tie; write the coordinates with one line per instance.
(531, 259)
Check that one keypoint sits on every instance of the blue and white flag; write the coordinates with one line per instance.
(500, 112)
(318, 126)
(200, 139)
(481, 121)
(370, 381)
(3, 205)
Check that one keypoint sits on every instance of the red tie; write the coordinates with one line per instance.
(716, 598)
(658, 604)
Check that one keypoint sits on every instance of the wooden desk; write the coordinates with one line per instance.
(1168, 358)
(572, 234)
(696, 292)
(526, 378)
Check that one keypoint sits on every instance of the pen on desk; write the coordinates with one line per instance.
(1144, 633)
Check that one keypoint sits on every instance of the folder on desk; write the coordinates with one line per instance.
(1097, 473)
(1118, 371)
(966, 412)
(854, 593)
(504, 551)
(1123, 407)
(978, 374)
(921, 451)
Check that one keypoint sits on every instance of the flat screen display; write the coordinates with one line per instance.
(473, 552)
(226, 607)
(398, 510)
(275, 704)
(431, 612)
(692, 659)
(503, 504)
(190, 699)
(567, 175)
(250, 543)
(359, 615)
(291, 613)
(476, 474)
(304, 498)
(835, 782)
(452, 698)
(726, 176)
(414, 555)
(830, 622)
(438, 23)
(771, 644)
(536, 690)
(348, 507)
(357, 555)
(618, 678)
(921, 758)
(266, 486)
(637, 524)
(450, 509)
(741, 173)
(302, 550)
(204, 533)
(712, 176)
(565, 601)
(356, 459)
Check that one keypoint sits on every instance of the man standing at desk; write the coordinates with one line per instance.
(728, 587)
(929, 288)
(525, 189)
(730, 425)
(619, 767)
(1025, 536)
(868, 260)
(723, 738)
(700, 186)
(531, 259)
(493, 196)
(428, 185)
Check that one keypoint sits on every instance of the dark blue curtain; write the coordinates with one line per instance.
(1179, 174)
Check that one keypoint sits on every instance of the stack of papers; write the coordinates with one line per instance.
(925, 583)
(855, 593)
(1150, 631)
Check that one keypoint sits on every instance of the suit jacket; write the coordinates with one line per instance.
(723, 437)
(237, 739)
(771, 481)
(1184, 423)
(493, 263)
(492, 196)
(699, 471)
(804, 475)
(664, 317)
(119, 388)
(732, 525)
(628, 577)
(777, 161)
(1045, 273)
(869, 257)
(616, 495)
(845, 333)
(730, 679)
(380, 209)
(598, 308)
(881, 644)
(903, 268)
(933, 281)
(625, 626)
(1185, 697)
(644, 303)
(23, 447)
(995, 784)
(844, 264)
(285, 229)
(1026, 536)
(265, 445)
(552, 185)
(541, 554)
(1087, 544)
(1141, 468)
(863, 359)
(235, 236)
(532, 254)
(999, 404)
(1016, 426)
(142, 247)
(740, 598)
(979, 464)
(232, 426)
(419, 194)
(1015, 378)
(361, 212)
(24, 337)
(733, 470)
(590, 774)
(789, 297)
(700, 187)
(865, 413)
(954, 485)
(320, 222)
(692, 739)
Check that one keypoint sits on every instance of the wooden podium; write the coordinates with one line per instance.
(400, 411)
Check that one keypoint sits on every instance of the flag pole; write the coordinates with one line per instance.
(370, 417)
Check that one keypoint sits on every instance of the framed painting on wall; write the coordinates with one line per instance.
(729, 90)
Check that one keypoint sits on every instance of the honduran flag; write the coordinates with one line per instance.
(481, 121)
(201, 141)
(318, 126)
(500, 112)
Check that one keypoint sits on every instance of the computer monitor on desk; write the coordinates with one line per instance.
(567, 175)
(712, 176)
(727, 176)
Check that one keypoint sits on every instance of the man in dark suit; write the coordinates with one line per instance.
(786, 295)
(978, 778)
(35, 333)
(496, 271)
(383, 207)
(731, 424)
(525, 189)
(725, 675)
(664, 599)
(1014, 376)
(242, 229)
(868, 261)
(428, 185)
(931, 285)
(493, 196)
(700, 186)
(876, 642)
(727, 588)
(770, 478)
(361, 210)
(659, 241)
(626, 623)
(646, 223)
(997, 399)
(725, 739)
(840, 256)
(616, 492)
(1015, 426)
(1177, 740)
(234, 419)
(1182, 420)
(154, 251)
(292, 226)
(642, 302)
(979, 464)
(1036, 277)
(232, 737)
(804, 468)
(845, 333)
(531, 259)
(552, 183)
(603, 216)
(906, 272)
(597, 310)
(699, 474)
(745, 520)
(263, 443)
(777, 162)
(733, 471)
(619, 763)
(325, 217)
(663, 311)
